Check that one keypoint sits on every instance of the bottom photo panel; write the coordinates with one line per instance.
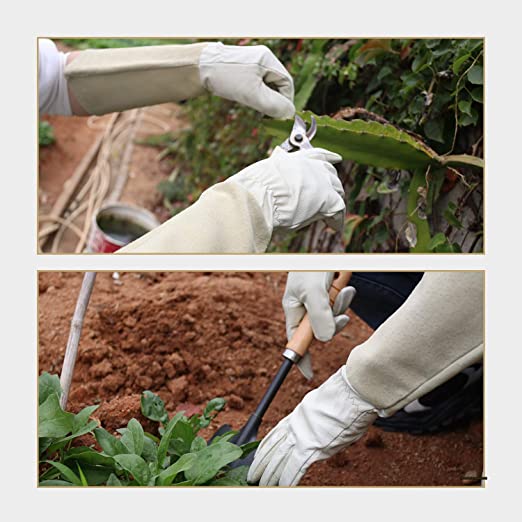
(175, 378)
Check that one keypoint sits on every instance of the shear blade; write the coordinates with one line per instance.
(299, 125)
(310, 133)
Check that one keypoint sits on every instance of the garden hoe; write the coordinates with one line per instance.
(294, 351)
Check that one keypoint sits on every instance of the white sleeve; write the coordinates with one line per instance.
(226, 219)
(53, 96)
(435, 334)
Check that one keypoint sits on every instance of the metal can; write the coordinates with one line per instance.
(116, 225)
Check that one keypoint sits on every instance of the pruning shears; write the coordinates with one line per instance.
(300, 137)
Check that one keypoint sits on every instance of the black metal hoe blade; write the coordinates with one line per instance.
(248, 433)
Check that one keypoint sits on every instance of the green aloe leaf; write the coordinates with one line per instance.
(370, 143)
(462, 160)
(365, 142)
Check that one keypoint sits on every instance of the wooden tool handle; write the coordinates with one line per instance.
(304, 335)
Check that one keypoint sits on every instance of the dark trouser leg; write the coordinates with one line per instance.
(380, 294)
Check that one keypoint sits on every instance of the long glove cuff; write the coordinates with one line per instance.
(109, 80)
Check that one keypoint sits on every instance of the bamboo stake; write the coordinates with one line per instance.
(71, 350)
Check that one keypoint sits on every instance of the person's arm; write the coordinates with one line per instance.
(225, 219)
(99, 81)
(53, 91)
(285, 191)
(76, 108)
(434, 335)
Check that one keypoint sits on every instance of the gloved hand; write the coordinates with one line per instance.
(250, 75)
(286, 190)
(308, 292)
(295, 189)
(109, 80)
(327, 420)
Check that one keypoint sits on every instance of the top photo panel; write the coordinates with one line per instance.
(260, 145)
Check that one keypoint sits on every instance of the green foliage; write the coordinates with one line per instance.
(426, 86)
(429, 90)
(307, 76)
(440, 243)
(45, 134)
(180, 457)
(433, 88)
(222, 138)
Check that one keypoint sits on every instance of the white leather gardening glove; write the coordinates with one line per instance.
(250, 75)
(287, 190)
(295, 189)
(309, 292)
(327, 420)
(108, 80)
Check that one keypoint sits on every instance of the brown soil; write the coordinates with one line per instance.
(58, 161)
(190, 337)
(75, 135)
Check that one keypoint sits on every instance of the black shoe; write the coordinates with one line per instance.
(456, 400)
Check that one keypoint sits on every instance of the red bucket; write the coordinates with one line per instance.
(116, 225)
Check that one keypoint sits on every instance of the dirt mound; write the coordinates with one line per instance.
(190, 337)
